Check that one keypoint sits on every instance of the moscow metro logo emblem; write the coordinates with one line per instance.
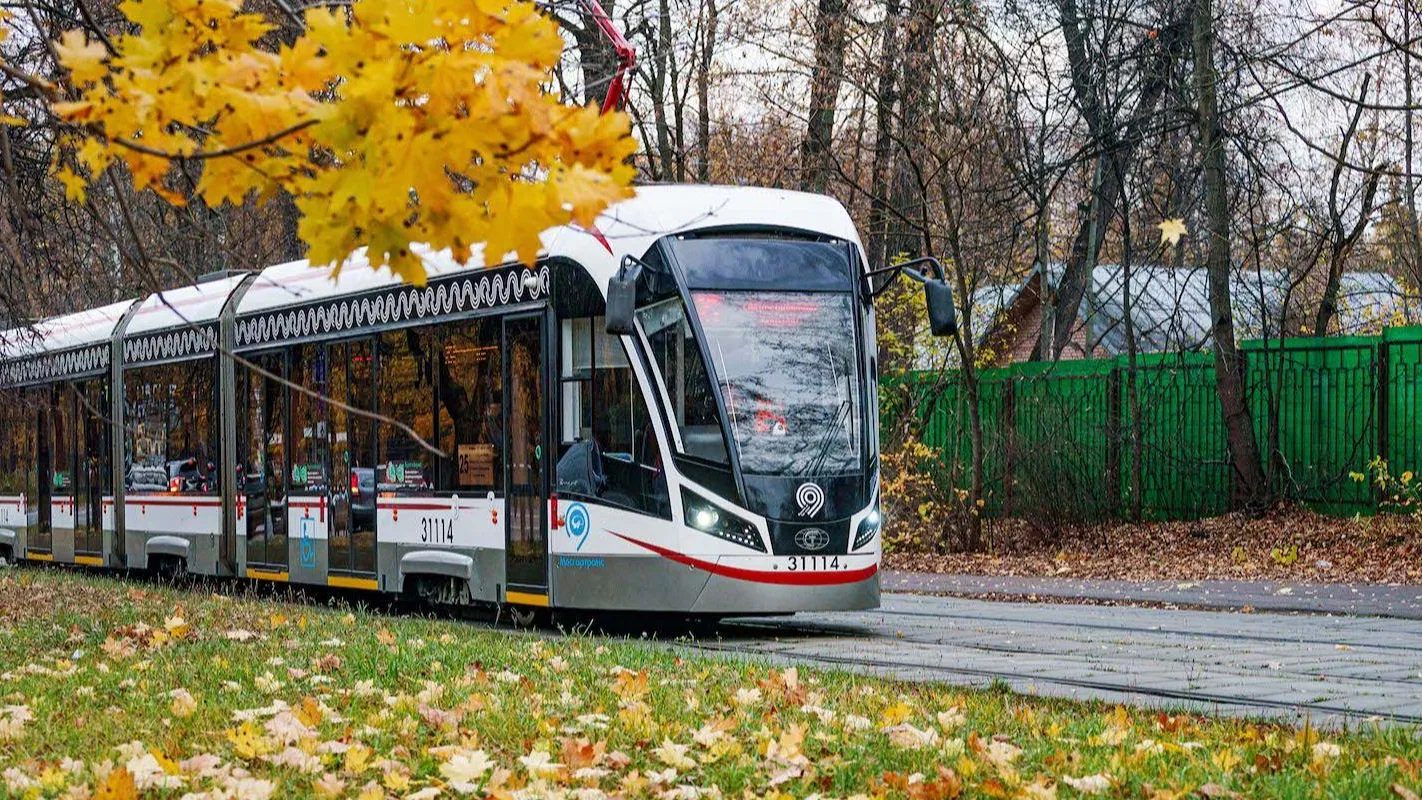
(812, 539)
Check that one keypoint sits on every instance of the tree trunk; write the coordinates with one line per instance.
(1117, 149)
(595, 56)
(1251, 490)
(884, 100)
(1341, 241)
(1413, 237)
(703, 88)
(908, 227)
(815, 152)
(665, 159)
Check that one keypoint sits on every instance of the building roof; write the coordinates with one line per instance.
(1170, 307)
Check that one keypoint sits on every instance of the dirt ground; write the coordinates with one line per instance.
(1295, 545)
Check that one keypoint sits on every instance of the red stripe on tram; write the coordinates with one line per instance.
(414, 507)
(758, 575)
(171, 500)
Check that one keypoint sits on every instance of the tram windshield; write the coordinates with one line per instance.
(788, 371)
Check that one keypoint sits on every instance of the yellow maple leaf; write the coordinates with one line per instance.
(487, 154)
(118, 785)
(1171, 230)
(74, 184)
(248, 742)
(84, 59)
(308, 711)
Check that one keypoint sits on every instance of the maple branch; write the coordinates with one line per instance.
(219, 153)
(94, 27)
(38, 84)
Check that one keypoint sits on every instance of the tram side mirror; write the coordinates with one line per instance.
(622, 297)
(937, 292)
(942, 314)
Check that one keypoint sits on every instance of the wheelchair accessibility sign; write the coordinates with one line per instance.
(308, 544)
(578, 524)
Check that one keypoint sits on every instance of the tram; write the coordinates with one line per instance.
(672, 411)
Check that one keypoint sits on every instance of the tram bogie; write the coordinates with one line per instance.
(673, 412)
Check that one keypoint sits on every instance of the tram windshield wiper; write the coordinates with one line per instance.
(827, 438)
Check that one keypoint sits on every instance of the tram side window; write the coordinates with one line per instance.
(310, 442)
(608, 447)
(406, 393)
(91, 463)
(469, 366)
(12, 421)
(61, 442)
(685, 379)
(171, 442)
(17, 456)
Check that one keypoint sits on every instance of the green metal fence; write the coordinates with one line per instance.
(1092, 439)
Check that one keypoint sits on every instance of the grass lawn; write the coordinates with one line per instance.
(118, 689)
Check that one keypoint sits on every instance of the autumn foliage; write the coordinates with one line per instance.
(390, 122)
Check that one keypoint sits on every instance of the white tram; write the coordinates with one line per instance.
(716, 453)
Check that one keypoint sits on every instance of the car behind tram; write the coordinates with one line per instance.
(672, 411)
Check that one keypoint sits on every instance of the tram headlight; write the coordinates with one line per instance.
(705, 518)
(702, 515)
(868, 527)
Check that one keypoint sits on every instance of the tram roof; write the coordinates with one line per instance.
(184, 306)
(628, 227)
(64, 332)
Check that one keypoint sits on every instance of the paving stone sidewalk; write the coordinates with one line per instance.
(1382, 600)
(1325, 669)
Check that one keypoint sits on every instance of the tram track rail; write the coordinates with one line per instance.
(1330, 642)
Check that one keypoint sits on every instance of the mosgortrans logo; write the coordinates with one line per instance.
(578, 524)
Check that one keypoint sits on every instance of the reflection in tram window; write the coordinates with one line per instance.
(170, 442)
(527, 536)
(16, 460)
(41, 533)
(406, 394)
(61, 442)
(352, 462)
(309, 414)
(684, 378)
(91, 465)
(470, 402)
(261, 469)
(789, 372)
(609, 449)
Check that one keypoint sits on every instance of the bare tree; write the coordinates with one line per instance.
(1251, 488)
(824, 95)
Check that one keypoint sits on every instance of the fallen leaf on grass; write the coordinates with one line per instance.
(1089, 784)
(184, 704)
(118, 786)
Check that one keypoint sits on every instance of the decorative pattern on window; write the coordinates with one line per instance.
(174, 343)
(469, 291)
(55, 366)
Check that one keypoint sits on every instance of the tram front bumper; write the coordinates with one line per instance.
(765, 585)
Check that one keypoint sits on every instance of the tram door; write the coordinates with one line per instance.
(41, 536)
(352, 526)
(526, 528)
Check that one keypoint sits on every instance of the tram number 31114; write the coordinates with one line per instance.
(437, 531)
(812, 563)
